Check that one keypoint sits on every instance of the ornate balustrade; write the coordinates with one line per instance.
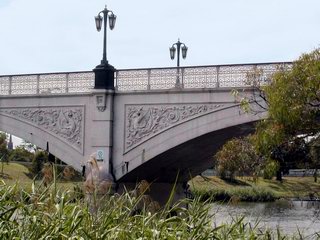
(237, 75)
(48, 83)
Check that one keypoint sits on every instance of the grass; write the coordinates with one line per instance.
(47, 213)
(38, 212)
(290, 187)
(243, 189)
(16, 172)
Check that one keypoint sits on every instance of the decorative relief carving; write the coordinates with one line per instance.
(63, 122)
(101, 103)
(142, 122)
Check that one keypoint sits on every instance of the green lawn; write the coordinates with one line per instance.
(14, 172)
(17, 173)
(289, 187)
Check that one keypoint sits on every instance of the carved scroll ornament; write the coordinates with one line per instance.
(63, 122)
(143, 122)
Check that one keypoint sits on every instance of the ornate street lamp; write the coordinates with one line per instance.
(179, 45)
(104, 73)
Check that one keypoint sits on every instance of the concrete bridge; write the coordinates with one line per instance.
(147, 127)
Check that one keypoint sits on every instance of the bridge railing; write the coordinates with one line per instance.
(47, 83)
(237, 75)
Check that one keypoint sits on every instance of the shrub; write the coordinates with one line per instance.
(237, 156)
(244, 194)
(39, 159)
(20, 154)
(270, 169)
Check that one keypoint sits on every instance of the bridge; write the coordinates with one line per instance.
(146, 127)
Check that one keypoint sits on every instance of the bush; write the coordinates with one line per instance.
(244, 194)
(3, 147)
(237, 156)
(39, 159)
(270, 169)
(20, 154)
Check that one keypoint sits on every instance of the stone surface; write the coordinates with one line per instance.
(152, 135)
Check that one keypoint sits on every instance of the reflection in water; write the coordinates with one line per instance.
(288, 216)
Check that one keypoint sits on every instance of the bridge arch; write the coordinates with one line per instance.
(164, 139)
(47, 127)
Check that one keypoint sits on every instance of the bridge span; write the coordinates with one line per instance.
(145, 128)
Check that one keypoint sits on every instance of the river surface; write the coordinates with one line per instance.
(288, 216)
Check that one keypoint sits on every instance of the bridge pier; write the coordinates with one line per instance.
(100, 129)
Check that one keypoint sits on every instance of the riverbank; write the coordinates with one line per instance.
(244, 189)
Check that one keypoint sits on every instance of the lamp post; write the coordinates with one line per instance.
(179, 45)
(104, 72)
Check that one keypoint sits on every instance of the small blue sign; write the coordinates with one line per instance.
(100, 155)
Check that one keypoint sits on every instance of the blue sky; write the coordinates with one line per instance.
(3, 3)
(60, 35)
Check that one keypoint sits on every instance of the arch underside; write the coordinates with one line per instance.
(188, 159)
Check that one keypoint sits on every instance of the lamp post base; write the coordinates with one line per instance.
(104, 76)
(179, 85)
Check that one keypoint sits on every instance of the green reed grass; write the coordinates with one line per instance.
(246, 194)
(48, 213)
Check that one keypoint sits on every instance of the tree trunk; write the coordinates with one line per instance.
(279, 176)
(315, 175)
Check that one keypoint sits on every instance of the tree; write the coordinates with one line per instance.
(3, 149)
(237, 156)
(40, 158)
(315, 156)
(3, 146)
(21, 155)
(293, 99)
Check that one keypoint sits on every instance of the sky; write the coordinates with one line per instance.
(38, 36)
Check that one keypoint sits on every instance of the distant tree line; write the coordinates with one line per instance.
(35, 159)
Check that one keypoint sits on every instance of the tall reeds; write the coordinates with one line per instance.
(48, 213)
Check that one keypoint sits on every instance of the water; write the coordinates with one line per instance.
(288, 216)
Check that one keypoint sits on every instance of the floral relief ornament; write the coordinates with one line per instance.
(64, 122)
(145, 121)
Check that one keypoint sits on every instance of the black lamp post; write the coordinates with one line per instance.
(184, 50)
(104, 73)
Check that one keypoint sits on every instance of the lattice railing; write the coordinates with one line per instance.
(238, 75)
(48, 83)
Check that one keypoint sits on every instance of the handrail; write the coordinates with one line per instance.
(143, 79)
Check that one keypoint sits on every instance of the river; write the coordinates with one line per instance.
(286, 215)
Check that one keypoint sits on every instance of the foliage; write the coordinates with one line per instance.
(244, 194)
(40, 157)
(290, 187)
(237, 156)
(3, 147)
(293, 104)
(270, 169)
(47, 213)
(292, 98)
(21, 155)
